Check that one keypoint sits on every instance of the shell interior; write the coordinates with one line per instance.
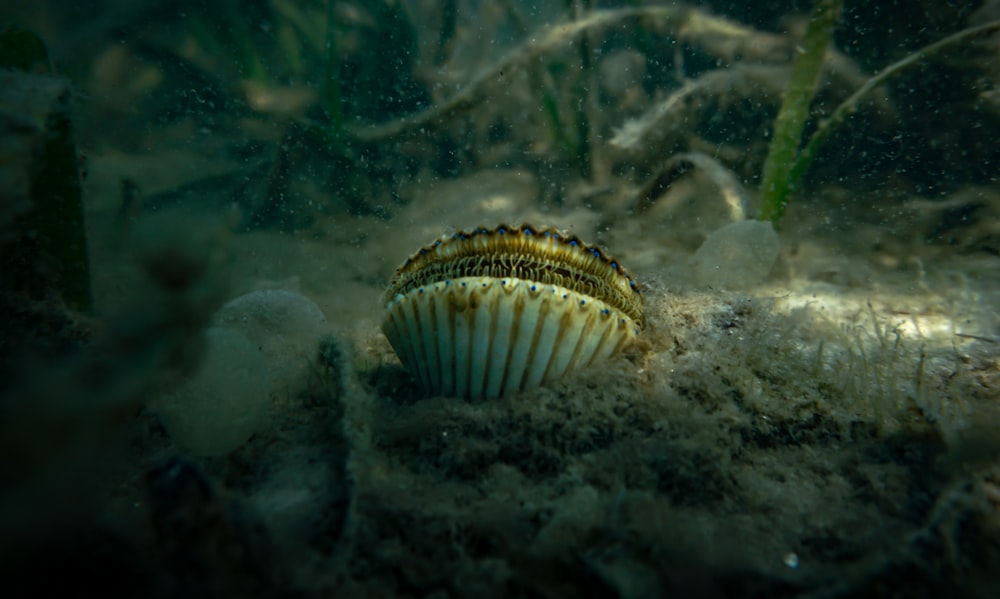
(484, 313)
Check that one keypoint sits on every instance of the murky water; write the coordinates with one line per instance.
(808, 407)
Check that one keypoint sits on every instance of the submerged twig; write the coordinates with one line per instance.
(732, 191)
(646, 132)
(978, 337)
(513, 62)
(730, 41)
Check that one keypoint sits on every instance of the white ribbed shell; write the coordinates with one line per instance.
(486, 337)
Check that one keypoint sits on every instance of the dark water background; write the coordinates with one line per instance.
(828, 431)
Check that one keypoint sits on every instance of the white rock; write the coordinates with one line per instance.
(283, 325)
(226, 400)
(737, 256)
(261, 345)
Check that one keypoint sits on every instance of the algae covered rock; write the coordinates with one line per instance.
(737, 256)
(225, 401)
(259, 348)
(283, 325)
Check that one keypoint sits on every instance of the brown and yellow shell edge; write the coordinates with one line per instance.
(586, 256)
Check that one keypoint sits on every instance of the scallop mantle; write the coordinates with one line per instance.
(488, 312)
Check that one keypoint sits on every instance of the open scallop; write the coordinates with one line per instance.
(488, 312)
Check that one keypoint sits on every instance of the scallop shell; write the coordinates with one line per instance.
(488, 312)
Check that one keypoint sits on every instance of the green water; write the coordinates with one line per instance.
(812, 416)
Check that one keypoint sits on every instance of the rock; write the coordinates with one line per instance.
(285, 326)
(224, 402)
(261, 345)
(737, 256)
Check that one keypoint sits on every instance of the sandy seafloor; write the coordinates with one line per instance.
(829, 431)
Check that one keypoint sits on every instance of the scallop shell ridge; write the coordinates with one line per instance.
(487, 312)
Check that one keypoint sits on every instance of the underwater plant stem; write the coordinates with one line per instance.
(849, 105)
(550, 103)
(331, 76)
(60, 223)
(248, 57)
(446, 37)
(40, 105)
(776, 185)
(581, 97)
